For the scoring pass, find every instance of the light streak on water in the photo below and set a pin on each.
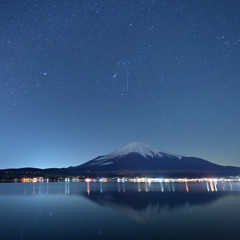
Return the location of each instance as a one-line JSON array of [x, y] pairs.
[[186, 186], [207, 186], [215, 185], [101, 187], [88, 188], [139, 187], [146, 187], [211, 186], [162, 188], [223, 185], [67, 191], [123, 186]]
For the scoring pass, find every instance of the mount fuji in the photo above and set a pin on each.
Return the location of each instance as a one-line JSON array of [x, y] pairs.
[[141, 159]]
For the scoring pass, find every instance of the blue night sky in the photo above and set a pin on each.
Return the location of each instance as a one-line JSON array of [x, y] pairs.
[[79, 79]]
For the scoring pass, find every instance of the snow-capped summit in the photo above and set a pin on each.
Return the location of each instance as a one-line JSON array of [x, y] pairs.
[[141, 148], [134, 150]]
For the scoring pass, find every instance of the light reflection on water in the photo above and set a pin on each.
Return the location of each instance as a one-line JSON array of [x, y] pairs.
[[120, 210]]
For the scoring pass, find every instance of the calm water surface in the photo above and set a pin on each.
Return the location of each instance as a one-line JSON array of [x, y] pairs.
[[119, 210]]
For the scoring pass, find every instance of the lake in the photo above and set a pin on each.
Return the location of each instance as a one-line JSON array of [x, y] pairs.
[[120, 210]]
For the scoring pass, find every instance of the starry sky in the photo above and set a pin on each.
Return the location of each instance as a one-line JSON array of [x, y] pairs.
[[82, 78]]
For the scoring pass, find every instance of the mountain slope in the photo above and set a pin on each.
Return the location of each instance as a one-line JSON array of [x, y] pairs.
[[140, 159], [132, 151]]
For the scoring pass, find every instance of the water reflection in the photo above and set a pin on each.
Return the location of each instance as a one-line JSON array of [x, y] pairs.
[[101, 188], [150, 206], [139, 187], [146, 187], [118, 187], [121, 187], [186, 187], [88, 188], [33, 188], [157, 199], [124, 187], [207, 186], [67, 190], [162, 188], [77, 210]]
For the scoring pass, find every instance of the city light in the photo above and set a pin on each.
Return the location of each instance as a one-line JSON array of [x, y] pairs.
[[128, 179]]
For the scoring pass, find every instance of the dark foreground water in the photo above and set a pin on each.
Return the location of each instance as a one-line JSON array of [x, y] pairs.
[[119, 211]]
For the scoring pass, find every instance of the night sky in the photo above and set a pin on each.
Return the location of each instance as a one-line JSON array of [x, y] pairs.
[[79, 79]]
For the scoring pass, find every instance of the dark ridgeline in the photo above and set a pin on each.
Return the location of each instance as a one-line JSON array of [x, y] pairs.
[[135, 159]]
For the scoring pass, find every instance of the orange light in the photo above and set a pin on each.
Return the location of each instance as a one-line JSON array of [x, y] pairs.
[[186, 186], [211, 186], [88, 180]]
